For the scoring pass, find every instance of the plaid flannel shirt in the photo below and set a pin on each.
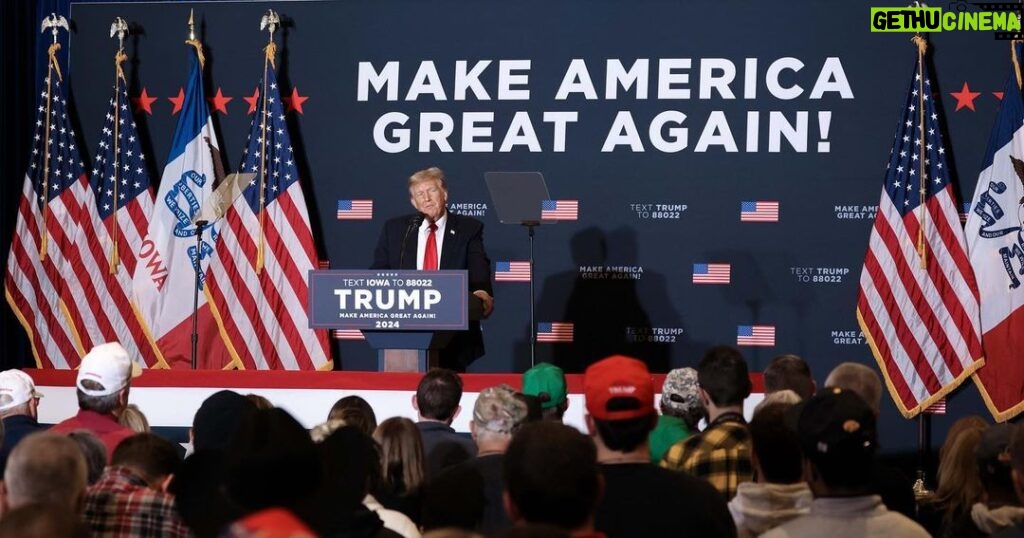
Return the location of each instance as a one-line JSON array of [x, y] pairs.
[[720, 454], [121, 504]]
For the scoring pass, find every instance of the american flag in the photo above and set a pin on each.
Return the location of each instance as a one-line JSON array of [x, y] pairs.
[[355, 209], [347, 334], [258, 279], [559, 209], [711, 273], [759, 211], [994, 254], [42, 245], [556, 331], [512, 271], [115, 219], [937, 408], [921, 322], [965, 212], [755, 335]]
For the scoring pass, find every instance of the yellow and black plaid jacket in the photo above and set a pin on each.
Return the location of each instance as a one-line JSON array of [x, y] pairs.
[[720, 454]]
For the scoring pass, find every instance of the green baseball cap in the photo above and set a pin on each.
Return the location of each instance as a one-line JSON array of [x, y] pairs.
[[546, 379]]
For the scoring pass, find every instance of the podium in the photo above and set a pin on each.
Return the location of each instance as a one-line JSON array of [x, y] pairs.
[[407, 316]]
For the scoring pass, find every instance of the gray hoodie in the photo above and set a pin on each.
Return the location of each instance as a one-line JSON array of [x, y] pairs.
[[757, 508]]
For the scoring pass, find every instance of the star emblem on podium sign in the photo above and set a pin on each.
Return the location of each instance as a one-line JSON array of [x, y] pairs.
[[144, 102], [220, 102]]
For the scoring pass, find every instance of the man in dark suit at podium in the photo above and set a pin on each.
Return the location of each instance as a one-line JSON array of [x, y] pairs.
[[433, 239]]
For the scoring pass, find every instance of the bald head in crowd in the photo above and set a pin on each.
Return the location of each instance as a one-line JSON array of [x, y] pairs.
[[45, 468], [861, 380]]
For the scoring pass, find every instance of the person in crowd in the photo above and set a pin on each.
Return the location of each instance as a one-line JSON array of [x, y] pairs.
[[721, 453], [497, 415], [999, 507], [344, 506], [356, 412], [133, 417], [789, 372], [454, 500], [260, 401], [19, 410], [403, 466], [432, 239], [547, 382], [959, 483], [269, 523], [199, 488], [784, 396], [47, 468], [38, 520], [681, 411], [534, 411], [838, 438], [103, 383], [640, 498], [552, 477], [322, 431], [896, 489], [437, 404], [778, 492], [131, 498], [1016, 454], [271, 463], [94, 451]]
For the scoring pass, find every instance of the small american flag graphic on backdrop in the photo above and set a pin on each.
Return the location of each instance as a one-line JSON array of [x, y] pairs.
[[555, 331], [347, 334], [755, 335], [355, 209], [711, 273], [966, 211], [559, 209], [512, 271], [759, 211]]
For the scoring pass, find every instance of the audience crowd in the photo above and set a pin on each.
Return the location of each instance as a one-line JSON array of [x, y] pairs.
[[686, 464]]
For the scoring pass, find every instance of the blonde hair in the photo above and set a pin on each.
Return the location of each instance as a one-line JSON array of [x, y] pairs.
[[133, 417], [959, 483], [321, 432], [401, 454], [430, 174], [860, 379]]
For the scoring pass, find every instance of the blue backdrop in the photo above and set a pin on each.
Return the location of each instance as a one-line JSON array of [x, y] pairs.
[[789, 102]]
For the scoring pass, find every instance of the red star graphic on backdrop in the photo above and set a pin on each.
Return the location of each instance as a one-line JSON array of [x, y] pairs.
[[294, 101], [965, 97], [220, 102], [252, 100], [999, 95], [177, 101], [144, 102]]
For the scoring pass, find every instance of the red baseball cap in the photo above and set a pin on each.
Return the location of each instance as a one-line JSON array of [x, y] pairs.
[[618, 377]]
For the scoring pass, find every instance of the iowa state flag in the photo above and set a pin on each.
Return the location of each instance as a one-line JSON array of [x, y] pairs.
[[995, 243], [164, 278]]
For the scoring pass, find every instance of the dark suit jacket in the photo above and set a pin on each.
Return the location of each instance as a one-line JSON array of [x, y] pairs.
[[462, 248]]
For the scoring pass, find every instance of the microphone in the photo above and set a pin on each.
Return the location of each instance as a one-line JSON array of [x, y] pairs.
[[200, 224], [414, 223]]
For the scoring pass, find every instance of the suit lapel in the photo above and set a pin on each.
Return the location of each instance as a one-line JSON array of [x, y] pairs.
[[411, 243], [451, 236]]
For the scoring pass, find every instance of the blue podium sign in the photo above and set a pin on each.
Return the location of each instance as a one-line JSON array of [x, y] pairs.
[[385, 300]]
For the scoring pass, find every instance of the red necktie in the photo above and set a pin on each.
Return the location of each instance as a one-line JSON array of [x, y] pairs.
[[430, 253]]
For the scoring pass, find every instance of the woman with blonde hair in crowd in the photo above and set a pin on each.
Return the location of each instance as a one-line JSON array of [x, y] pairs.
[[133, 417], [959, 485], [403, 466]]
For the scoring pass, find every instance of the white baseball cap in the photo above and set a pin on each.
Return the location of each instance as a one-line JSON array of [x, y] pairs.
[[110, 366], [16, 388]]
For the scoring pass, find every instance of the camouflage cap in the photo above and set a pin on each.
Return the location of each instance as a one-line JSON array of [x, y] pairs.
[[498, 410], [679, 393]]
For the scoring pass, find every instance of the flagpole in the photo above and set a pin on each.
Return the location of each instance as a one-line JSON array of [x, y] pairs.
[[119, 28], [269, 21], [922, 46], [53, 22]]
